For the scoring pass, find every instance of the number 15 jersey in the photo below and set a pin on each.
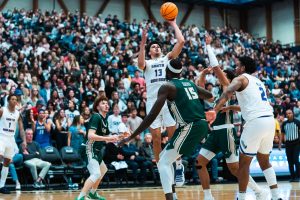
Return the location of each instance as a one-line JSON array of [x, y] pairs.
[[155, 75], [253, 99]]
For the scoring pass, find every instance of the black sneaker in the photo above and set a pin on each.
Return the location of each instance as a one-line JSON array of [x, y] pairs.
[[4, 190]]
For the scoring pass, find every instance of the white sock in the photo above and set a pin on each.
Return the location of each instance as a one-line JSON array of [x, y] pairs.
[[82, 194], [4, 173], [241, 195], [174, 195], [252, 184], [207, 193], [93, 190], [178, 163], [274, 193]]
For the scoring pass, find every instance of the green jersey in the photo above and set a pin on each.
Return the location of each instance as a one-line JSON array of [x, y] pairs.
[[94, 148], [186, 107]]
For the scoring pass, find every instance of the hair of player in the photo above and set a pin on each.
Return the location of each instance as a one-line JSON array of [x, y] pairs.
[[249, 63], [151, 43], [176, 63], [97, 101], [11, 95]]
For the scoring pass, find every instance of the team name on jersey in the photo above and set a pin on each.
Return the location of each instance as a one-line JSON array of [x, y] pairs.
[[158, 65], [186, 84], [10, 119]]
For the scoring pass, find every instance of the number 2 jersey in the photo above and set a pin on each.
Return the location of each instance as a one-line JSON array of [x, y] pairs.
[[253, 99], [155, 75], [8, 122], [186, 107]]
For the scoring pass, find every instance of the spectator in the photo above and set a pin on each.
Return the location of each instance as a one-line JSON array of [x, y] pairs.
[[71, 112], [135, 95], [134, 121], [290, 129], [115, 100], [32, 160], [45, 93], [114, 120], [77, 132], [61, 127], [41, 129], [146, 151], [139, 80]]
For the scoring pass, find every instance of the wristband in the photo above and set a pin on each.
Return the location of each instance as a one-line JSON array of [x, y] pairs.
[[213, 61]]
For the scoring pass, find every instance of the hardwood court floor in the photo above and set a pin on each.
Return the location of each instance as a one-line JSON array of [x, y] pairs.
[[220, 192]]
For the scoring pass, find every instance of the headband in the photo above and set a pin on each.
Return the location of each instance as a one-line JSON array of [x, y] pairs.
[[172, 69]]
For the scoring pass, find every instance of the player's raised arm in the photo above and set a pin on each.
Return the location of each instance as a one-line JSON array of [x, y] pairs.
[[204, 94], [235, 85], [180, 41], [141, 57], [166, 91]]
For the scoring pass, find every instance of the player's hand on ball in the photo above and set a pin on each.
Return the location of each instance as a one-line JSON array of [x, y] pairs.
[[124, 141], [211, 116]]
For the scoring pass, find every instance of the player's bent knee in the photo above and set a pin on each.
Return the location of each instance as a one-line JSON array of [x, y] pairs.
[[94, 177]]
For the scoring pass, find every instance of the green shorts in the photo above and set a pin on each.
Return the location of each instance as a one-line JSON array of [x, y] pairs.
[[223, 140], [186, 138], [88, 152]]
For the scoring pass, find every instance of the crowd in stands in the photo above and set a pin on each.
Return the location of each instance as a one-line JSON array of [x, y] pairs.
[[59, 63]]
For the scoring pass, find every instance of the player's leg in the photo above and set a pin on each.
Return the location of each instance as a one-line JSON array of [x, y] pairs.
[[94, 170], [6, 152], [156, 135], [170, 125], [166, 171], [201, 166], [263, 154], [93, 192]]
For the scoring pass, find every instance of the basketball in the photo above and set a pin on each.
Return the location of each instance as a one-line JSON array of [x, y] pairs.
[[169, 11]]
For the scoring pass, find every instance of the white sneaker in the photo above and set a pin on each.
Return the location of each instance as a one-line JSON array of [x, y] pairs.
[[179, 176], [209, 198], [18, 186], [262, 195]]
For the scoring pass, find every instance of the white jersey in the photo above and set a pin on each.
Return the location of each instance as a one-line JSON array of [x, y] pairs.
[[8, 122], [253, 99], [155, 75]]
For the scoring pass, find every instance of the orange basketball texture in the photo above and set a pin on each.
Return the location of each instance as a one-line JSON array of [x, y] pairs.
[[169, 11]]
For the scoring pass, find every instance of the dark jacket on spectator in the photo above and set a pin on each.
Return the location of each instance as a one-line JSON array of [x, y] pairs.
[[33, 149]]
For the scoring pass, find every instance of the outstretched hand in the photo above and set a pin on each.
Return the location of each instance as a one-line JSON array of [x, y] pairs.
[[210, 116], [144, 35], [172, 22]]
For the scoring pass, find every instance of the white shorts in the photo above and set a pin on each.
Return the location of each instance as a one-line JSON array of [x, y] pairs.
[[7, 146], [164, 118], [257, 136]]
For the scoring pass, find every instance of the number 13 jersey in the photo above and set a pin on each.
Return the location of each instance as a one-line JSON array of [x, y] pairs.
[[253, 99], [8, 122], [155, 75]]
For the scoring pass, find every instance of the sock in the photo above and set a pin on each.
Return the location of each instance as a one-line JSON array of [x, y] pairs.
[[207, 193], [82, 194], [4, 173], [178, 164], [93, 190], [241, 195], [274, 193], [174, 196], [252, 184]]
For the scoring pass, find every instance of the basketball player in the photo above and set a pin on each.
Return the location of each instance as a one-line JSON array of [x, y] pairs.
[[258, 133], [185, 100], [223, 135], [9, 118], [96, 137], [155, 76]]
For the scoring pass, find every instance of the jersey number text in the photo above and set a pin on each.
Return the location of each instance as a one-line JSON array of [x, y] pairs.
[[190, 92]]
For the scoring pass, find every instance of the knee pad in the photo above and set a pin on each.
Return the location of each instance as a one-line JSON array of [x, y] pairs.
[[94, 177]]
